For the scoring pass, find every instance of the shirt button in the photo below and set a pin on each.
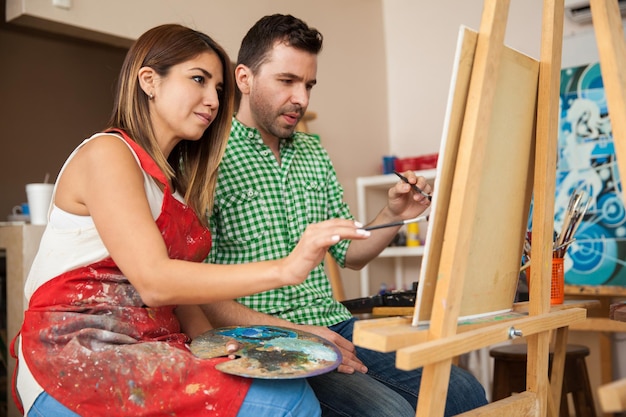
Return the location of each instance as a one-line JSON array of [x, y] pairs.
[[290, 218], [250, 134], [250, 193], [264, 153]]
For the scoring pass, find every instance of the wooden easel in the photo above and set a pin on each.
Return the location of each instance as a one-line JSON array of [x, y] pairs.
[[609, 32], [433, 348], [612, 52]]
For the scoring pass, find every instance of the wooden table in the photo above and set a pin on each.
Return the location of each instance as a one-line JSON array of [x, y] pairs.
[[613, 395], [599, 323], [617, 311]]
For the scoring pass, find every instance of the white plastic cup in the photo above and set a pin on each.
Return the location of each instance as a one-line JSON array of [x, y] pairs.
[[39, 198]]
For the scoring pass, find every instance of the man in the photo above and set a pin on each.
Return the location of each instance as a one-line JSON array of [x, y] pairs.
[[272, 183]]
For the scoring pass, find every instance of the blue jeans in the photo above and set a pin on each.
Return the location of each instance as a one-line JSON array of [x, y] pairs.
[[280, 398], [265, 398], [385, 390]]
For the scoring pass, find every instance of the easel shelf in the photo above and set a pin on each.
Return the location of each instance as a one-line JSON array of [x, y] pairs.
[[397, 333]]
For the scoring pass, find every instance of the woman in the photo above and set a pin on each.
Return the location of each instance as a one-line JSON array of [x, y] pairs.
[[123, 248]]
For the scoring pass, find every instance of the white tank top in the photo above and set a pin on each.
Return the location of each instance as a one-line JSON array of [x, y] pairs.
[[70, 241]]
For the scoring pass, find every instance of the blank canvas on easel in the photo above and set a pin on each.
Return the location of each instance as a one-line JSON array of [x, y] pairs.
[[503, 184]]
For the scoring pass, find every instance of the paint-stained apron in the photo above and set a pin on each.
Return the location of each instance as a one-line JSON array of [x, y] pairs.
[[93, 345]]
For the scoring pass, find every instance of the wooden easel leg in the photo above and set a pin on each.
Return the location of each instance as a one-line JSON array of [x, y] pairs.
[[556, 374], [432, 399], [537, 369], [609, 31], [544, 191], [607, 23], [605, 342]]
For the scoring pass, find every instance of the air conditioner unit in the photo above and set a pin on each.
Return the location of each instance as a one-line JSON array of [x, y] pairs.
[[580, 12]]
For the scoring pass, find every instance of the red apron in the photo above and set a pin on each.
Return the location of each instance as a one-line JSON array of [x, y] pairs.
[[93, 345]]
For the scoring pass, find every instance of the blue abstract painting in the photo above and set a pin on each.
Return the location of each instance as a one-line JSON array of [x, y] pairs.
[[586, 162]]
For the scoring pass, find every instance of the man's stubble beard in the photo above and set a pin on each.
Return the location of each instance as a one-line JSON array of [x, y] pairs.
[[268, 119]]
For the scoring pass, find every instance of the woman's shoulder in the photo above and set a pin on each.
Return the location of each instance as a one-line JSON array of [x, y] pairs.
[[107, 145], [103, 154]]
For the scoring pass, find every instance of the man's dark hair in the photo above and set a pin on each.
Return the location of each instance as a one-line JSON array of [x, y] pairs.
[[261, 38]]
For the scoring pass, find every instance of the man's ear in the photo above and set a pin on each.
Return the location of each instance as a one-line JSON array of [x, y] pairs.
[[243, 78], [146, 78]]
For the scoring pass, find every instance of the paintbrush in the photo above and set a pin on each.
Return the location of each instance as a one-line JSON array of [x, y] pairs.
[[415, 187], [579, 217], [574, 214], [398, 223]]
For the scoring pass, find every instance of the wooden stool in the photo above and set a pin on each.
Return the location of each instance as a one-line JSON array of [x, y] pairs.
[[509, 376]]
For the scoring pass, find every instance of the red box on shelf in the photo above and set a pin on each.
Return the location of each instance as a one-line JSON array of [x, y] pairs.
[[427, 161], [417, 163]]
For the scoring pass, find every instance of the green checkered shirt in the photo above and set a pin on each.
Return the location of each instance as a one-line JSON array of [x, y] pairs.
[[263, 207]]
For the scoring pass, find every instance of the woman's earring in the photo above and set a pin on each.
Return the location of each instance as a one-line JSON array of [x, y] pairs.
[[150, 96]]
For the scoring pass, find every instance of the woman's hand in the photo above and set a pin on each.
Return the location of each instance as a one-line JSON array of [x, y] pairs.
[[314, 243]]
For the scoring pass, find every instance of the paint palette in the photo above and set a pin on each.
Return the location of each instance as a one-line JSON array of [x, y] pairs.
[[269, 352]]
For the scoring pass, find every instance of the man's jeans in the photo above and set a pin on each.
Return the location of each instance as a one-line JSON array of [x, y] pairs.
[[386, 391]]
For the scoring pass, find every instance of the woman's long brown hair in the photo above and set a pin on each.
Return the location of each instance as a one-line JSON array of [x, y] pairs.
[[192, 165]]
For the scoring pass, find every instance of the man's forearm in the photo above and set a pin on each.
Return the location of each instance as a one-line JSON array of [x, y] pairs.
[[192, 320], [232, 313]]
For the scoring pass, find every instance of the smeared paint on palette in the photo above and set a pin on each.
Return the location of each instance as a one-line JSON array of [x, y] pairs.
[[269, 352]]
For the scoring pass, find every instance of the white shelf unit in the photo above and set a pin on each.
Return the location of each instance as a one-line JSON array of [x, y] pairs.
[[382, 183]]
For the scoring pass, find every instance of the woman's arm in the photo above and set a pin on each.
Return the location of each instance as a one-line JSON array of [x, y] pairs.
[[104, 181]]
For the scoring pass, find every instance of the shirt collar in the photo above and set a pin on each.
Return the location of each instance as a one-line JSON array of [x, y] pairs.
[[252, 133]]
